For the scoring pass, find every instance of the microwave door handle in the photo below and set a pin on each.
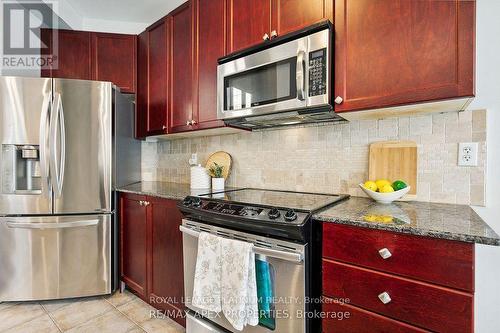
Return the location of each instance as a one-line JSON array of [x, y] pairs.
[[299, 77]]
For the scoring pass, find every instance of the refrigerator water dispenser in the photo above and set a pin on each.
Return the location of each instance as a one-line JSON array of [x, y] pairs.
[[21, 169]]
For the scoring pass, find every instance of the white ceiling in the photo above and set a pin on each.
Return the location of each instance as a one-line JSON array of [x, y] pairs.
[[134, 11]]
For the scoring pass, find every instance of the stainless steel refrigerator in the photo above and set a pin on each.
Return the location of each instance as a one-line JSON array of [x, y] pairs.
[[63, 145]]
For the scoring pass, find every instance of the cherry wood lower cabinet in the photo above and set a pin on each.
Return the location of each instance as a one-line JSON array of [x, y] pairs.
[[422, 284], [151, 252]]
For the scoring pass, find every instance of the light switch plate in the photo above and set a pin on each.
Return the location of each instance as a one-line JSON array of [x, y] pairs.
[[467, 153]]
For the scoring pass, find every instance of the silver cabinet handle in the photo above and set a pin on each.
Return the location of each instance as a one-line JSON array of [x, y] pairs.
[[164, 127], [28, 225], [265, 37], [385, 297], [385, 253], [274, 34], [193, 122], [188, 123], [141, 202], [57, 165], [338, 100], [288, 256], [43, 139], [299, 76]]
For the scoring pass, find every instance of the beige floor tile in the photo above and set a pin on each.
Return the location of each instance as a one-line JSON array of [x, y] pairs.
[[111, 322], [137, 310], [5, 305], [52, 306], [19, 314], [166, 325], [118, 298], [80, 312], [42, 324]]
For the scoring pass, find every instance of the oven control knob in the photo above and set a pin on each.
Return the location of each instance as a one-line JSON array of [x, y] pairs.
[[290, 215], [187, 201], [274, 213], [196, 202]]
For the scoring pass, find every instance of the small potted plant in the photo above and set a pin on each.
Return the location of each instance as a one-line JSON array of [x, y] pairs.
[[216, 172]]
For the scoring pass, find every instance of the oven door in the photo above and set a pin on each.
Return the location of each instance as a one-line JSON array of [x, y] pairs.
[[287, 267], [265, 82]]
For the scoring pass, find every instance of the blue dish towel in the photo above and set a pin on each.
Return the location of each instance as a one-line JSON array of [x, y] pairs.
[[265, 278]]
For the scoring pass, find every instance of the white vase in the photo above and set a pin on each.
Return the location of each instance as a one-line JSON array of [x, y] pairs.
[[218, 184]]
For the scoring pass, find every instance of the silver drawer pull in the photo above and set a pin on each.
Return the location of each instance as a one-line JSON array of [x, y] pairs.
[[385, 297], [385, 253], [28, 225]]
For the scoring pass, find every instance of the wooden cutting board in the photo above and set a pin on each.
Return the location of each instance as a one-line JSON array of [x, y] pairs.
[[394, 160], [223, 159]]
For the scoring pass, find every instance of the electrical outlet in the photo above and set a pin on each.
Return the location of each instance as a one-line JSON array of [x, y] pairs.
[[194, 159], [467, 153]]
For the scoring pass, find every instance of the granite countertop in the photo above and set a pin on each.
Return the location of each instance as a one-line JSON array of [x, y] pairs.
[[165, 190], [446, 221]]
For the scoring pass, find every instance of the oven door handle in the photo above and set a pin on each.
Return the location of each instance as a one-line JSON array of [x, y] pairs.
[[299, 76], [283, 255]]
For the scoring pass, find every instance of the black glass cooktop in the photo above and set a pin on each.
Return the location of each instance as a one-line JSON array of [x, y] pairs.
[[299, 201]]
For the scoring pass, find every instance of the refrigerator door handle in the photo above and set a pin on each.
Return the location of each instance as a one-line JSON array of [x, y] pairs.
[[44, 150], [57, 164], [28, 225]]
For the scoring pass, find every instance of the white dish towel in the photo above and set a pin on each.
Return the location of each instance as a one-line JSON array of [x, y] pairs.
[[207, 277], [225, 279], [239, 286]]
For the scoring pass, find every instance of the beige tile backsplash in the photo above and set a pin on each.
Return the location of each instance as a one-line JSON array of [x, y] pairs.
[[333, 158]]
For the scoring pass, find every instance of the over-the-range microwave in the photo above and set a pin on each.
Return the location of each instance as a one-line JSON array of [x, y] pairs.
[[283, 82]]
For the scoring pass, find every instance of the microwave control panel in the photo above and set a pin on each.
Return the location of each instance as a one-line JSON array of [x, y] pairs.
[[317, 73]]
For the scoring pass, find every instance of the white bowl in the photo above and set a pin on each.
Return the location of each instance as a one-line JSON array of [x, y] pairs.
[[385, 198]]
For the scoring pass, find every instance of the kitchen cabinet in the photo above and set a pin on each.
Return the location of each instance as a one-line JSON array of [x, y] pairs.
[[114, 59], [158, 97], [141, 97], [210, 45], [92, 56], [389, 53], [133, 243], [181, 90], [292, 15], [151, 251], [401, 283], [72, 54], [165, 273]]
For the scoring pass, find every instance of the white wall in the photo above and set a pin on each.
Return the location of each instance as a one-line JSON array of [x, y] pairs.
[[114, 26], [488, 96]]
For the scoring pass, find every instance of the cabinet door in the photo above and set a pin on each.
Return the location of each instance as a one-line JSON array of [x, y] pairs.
[[293, 15], [133, 245], [210, 46], [157, 78], [73, 52], [141, 99], [389, 53], [182, 68], [248, 21], [166, 278], [114, 59]]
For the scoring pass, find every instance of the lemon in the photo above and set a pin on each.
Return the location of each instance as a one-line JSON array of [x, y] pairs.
[[387, 188], [381, 183], [371, 185]]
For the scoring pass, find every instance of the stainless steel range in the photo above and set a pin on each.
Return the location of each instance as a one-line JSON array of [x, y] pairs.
[[279, 225]]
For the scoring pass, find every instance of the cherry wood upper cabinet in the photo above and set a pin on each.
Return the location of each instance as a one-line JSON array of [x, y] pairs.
[[114, 59], [181, 89], [291, 15], [73, 52], [210, 46], [141, 97], [133, 242], [248, 22], [390, 53], [158, 86], [166, 278]]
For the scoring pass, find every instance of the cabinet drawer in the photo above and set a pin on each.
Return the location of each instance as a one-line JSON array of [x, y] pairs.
[[357, 320], [444, 262], [432, 307]]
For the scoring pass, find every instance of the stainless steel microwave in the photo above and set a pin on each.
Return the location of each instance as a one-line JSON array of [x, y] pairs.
[[287, 81]]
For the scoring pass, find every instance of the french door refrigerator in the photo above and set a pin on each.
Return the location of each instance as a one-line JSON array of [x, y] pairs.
[[56, 199]]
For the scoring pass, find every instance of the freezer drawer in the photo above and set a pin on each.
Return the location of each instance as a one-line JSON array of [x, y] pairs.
[[54, 257]]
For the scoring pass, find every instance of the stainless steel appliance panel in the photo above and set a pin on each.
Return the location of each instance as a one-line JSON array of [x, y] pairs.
[[289, 271], [54, 257], [81, 148], [24, 108]]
